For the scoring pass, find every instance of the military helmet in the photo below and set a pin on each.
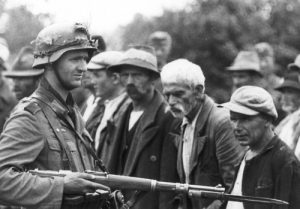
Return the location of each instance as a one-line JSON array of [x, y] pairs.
[[53, 41]]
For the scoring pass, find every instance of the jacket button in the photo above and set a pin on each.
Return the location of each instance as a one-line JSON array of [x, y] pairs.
[[153, 158]]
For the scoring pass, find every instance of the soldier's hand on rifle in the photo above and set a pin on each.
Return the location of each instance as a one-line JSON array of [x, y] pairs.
[[81, 183]]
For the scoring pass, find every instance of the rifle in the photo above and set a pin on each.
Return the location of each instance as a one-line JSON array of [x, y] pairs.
[[143, 184]]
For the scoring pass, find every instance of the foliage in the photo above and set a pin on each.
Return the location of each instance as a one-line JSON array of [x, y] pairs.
[[212, 32]]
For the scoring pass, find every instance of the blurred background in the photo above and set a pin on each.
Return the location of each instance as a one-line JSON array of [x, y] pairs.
[[207, 32]]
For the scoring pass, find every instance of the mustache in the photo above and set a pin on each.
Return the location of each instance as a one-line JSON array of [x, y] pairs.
[[176, 108], [131, 88]]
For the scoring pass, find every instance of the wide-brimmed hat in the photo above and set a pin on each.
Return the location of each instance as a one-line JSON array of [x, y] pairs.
[[291, 80], [246, 61], [252, 100], [138, 56], [105, 59], [295, 65], [22, 66]]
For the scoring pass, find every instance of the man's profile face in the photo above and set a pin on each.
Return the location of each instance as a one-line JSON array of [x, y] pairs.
[[181, 98], [70, 68], [137, 81], [290, 100], [248, 130], [242, 78], [87, 80], [24, 86], [103, 83]]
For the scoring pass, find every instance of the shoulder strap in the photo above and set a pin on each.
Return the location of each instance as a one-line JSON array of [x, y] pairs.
[[55, 127], [88, 147]]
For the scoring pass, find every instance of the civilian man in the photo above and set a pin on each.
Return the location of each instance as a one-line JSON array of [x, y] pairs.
[[25, 79], [110, 94], [269, 168], [140, 143], [207, 151]]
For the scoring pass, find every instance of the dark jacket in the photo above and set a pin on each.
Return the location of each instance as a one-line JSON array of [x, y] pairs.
[[274, 173], [152, 153], [215, 152], [30, 140], [7, 102]]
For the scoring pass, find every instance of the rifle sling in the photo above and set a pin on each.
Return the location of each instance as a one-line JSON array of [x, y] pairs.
[[85, 143]]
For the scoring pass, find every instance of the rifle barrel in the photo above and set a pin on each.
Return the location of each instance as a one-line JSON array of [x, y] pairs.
[[236, 198]]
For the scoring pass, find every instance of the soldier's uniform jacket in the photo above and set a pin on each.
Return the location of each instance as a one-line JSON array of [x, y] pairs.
[[32, 139]]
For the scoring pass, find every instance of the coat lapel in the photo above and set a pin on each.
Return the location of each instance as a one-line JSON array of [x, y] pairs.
[[199, 137], [145, 132]]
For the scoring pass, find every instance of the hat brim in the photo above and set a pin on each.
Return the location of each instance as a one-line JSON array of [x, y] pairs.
[[293, 66], [40, 61], [94, 66], [134, 63], [288, 84], [239, 109], [237, 69], [25, 73]]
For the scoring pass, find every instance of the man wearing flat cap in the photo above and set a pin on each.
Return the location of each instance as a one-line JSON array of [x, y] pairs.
[[111, 97], [140, 142], [269, 168], [25, 78]]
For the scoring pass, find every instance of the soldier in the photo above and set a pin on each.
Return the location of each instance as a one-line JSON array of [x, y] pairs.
[[25, 79], [46, 130], [207, 150], [269, 168], [140, 141], [7, 98]]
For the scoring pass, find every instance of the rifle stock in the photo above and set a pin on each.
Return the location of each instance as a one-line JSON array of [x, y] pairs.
[[143, 184]]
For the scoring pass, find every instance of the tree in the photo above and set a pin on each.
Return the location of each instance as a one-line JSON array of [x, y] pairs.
[[212, 32]]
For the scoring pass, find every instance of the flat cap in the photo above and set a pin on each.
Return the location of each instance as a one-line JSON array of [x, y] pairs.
[[105, 59], [252, 100]]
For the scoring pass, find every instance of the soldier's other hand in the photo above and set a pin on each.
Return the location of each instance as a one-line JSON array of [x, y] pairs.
[[81, 183]]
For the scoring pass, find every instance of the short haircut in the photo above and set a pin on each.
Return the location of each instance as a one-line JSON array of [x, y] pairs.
[[182, 71]]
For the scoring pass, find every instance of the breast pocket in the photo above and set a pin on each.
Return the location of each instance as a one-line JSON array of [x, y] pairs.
[[264, 187], [54, 154]]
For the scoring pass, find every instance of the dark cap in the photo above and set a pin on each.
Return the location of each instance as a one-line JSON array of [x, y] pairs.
[[22, 66], [291, 80]]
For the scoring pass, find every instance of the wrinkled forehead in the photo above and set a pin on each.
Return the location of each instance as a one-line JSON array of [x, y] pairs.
[[172, 86]]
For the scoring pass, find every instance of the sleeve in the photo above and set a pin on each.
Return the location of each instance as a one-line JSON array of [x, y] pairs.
[[287, 184], [20, 144], [228, 151]]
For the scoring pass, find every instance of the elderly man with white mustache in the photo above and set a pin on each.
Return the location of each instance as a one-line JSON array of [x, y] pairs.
[[208, 150]]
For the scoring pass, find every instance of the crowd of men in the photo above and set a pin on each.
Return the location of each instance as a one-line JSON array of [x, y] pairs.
[[135, 113]]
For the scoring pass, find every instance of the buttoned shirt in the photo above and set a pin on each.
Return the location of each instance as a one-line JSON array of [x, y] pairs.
[[188, 139]]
